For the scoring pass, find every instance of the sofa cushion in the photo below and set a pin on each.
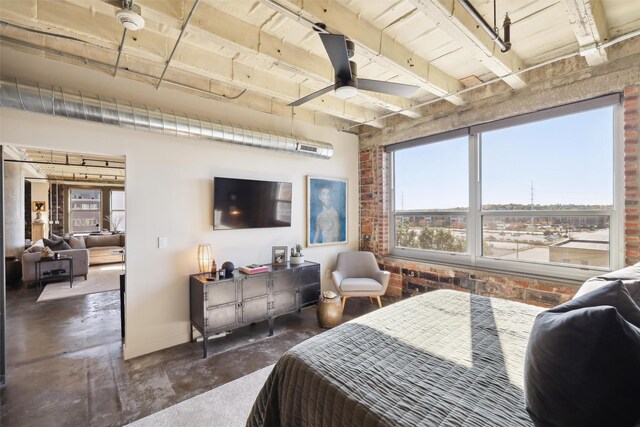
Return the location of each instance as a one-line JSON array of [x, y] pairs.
[[77, 242], [56, 245], [34, 249], [102, 240], [582, 365]]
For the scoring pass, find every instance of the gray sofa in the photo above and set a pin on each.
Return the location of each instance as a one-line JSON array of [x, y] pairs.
[[104, 248], [30, 256]]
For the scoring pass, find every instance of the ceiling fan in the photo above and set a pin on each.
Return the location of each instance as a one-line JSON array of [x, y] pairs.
[[340, 50]]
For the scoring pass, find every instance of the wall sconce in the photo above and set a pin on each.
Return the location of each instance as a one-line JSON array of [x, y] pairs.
[[204, 257]]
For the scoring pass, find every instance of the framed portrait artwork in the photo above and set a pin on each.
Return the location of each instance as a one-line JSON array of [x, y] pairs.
[[326, 211], [279, 255], [39, 206]]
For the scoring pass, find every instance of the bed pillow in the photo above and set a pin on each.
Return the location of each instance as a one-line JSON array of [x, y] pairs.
[[614, 294], [582, 365], [56, 245], [630, 277]]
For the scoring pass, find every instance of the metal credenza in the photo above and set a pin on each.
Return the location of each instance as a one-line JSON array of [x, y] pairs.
[[226, 304]]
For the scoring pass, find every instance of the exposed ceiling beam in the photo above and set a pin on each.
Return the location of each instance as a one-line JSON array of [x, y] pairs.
[[152, 47], [145, 71], [376, 45], [230, 71], [590, 27], [461, 27], [266, 50]]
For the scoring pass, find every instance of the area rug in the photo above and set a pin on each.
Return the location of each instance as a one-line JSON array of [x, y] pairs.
[[100, 278], [225, 406]]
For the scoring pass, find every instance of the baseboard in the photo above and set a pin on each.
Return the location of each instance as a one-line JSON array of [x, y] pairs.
[[136, 350]]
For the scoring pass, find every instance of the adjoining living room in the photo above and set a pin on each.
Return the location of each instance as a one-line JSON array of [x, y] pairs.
[[65, 250]]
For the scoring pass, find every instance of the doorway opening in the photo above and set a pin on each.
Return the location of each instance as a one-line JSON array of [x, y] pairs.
[[64, 243]]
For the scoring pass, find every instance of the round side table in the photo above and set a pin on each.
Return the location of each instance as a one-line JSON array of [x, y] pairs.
[[329, 312]]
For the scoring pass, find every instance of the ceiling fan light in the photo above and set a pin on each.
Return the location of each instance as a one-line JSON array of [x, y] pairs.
[[346, 91]]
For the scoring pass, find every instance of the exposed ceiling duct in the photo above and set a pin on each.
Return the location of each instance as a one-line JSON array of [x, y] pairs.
[[56, 101]]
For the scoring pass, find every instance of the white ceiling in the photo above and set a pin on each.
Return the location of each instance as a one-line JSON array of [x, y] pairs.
[[267, 55]]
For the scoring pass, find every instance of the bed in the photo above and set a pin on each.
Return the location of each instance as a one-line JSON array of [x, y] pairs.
[[444, 358]]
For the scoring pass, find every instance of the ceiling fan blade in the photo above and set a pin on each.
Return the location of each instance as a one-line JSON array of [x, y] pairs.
[[336, 47], [311, 96], [397, 89]]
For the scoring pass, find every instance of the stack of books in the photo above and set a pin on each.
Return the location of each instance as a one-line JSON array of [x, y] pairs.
[[254, 269]]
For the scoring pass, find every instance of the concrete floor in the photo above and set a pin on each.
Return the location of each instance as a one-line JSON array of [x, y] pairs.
[[65, 366]]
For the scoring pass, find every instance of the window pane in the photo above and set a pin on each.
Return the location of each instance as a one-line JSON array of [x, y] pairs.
[[576, 240], [85, 210], [117, 200], [117, 221], [565, 163], [445, 233], [433, 176]]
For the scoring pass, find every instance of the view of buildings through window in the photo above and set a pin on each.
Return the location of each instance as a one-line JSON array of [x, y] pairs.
[[544, 192]]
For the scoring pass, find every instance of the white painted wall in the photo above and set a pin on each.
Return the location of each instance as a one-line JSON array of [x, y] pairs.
[[169, 189]]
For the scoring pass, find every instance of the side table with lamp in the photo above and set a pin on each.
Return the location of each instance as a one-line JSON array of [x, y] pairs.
[[220, 303]]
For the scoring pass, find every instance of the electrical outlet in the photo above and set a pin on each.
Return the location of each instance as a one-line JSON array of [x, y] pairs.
[[163, 242]]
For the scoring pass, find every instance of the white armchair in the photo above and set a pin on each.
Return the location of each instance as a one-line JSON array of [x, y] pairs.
[[357, 275]]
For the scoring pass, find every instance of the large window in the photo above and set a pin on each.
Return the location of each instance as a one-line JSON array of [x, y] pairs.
[[117, 216], [85, 210], [432, 196], [533, 194]]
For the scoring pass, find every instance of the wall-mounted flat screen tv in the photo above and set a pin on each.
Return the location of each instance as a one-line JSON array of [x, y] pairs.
[[245, 203]]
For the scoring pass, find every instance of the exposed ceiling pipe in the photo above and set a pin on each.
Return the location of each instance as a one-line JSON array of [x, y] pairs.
[[57, 101], [295, 16], [504, 45], [115, 68], [184, 27]]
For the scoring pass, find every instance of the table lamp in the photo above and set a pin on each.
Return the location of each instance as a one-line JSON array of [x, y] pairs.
[[204, 257]]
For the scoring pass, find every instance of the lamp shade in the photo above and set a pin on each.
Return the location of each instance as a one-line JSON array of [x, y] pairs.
[[204, 257]]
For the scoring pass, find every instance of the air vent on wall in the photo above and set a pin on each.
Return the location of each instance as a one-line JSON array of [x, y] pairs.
[[308, 148]]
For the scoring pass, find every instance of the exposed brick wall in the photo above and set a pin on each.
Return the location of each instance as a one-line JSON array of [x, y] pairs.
[[374, 206], [631, 175], [409, 278]]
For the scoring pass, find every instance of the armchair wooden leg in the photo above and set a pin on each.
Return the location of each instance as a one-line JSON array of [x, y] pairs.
[[379, 302], [344, 301], [371, 300]]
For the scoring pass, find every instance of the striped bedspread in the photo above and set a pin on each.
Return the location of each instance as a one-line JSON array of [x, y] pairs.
[[445, 358]]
